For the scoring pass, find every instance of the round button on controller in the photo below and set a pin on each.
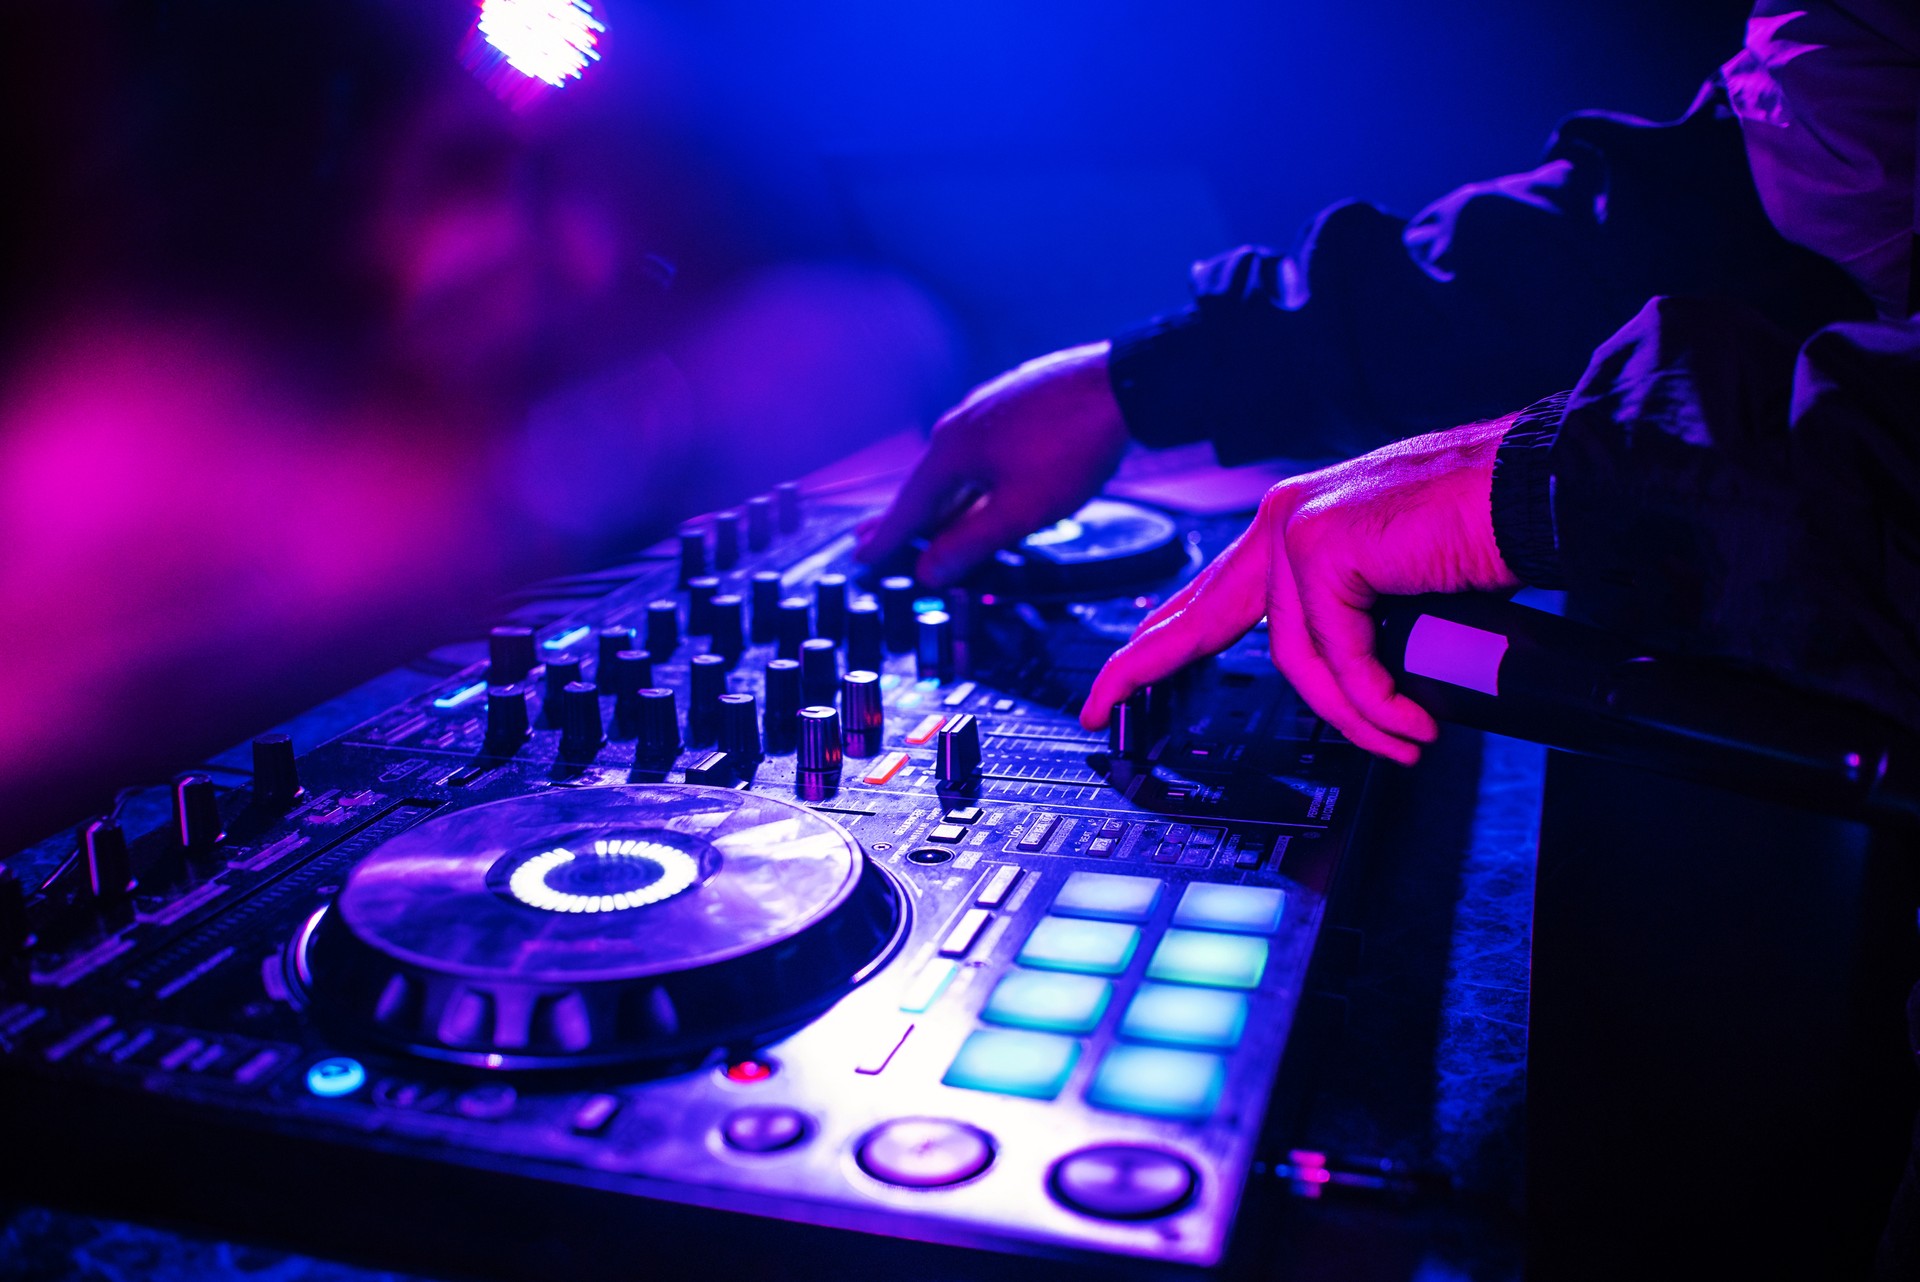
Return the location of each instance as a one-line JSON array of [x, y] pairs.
[[766, 1129], [1123, 1182], [924, 1152]]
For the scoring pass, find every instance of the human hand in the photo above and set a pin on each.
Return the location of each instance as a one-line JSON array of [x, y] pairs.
[[1020, 452], [1410, 517]]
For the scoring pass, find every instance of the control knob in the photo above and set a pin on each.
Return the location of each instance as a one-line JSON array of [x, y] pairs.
[[759, 522], [656, 728], [740, 728], [766, 592], [663, 629], [933, 656], [693, 553], [783, 704], [510, 655], [819, 753], [196, 815], [507, 720], [581, 733], [863, 720], [726, 540], [707, 681], [727, 633], [276, 775], [866, 638], [896, 609]]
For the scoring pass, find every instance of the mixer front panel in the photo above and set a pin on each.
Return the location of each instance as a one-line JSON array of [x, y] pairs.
[[925, 960]]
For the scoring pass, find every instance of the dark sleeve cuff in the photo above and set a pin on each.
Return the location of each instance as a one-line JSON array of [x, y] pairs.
[[1155, 370], [1523, 524]]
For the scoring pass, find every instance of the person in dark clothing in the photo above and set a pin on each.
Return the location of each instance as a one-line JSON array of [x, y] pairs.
[[1667, 491]]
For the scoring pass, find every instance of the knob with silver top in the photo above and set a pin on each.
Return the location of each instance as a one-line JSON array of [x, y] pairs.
[[957, 750], [933, 655], [507, 721], [862, 718], [866, 639], [510, 655], [740, 729], [656, 728], [663, 629], [820, 745], [783, 704]]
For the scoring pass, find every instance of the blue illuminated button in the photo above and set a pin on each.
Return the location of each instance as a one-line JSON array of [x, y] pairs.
[[1254, 909], [1203, 957], [1035, 1065], [332, 1078], [1107, 895], [1053, 1003], [1090, 947], [1160, 1083], [1183, 1016]]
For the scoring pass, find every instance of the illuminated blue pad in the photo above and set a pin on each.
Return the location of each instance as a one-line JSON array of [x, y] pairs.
[[1253, 909], [1204, 957], [1181, 1016], [1089, 947], [1108, 896], [1159, 1083], [1035, 1065], [1052, 1003]]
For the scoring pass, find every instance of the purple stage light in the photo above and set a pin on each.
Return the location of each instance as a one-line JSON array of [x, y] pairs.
[[520, 48]]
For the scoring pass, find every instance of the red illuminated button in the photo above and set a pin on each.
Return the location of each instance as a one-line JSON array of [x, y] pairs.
[[748, 1071], [886, 768]]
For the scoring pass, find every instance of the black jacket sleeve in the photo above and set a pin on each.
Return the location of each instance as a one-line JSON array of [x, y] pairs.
[[1711, 488], [1380, 327]]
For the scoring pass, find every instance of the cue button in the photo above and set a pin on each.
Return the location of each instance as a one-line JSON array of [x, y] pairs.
[[924, 1152], [1123, 1182], [764, 1130]]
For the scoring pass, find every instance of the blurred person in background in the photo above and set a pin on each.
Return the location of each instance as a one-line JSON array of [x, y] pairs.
[[312, 345]]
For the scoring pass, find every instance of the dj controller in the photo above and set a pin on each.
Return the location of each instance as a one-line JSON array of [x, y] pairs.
[[747, 905]]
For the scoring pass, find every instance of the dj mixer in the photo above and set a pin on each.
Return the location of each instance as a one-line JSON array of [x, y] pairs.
[[746, 901]]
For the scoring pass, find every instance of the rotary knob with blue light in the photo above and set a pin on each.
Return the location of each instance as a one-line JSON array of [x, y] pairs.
[[336, 1078]]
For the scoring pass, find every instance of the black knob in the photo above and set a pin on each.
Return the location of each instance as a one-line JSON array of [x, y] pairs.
[[507, 720], [766, 606], [510, 655], [866, 640], [580, 731], [728, 639], [663, 630], [783, 704], [276, 776], [819, 741], [830, 607], [700, 594], [693, 553], [786, 501], [196, 814], [726, 540], [933, 657], [740, 728], [862, 718], [109, 869], [759, 522], [819, 671], [562, 671], [13, 915], [629, 672], [896, 608], [714, 769], [957, 750], [656, 728], [708, 681], [793, 626], [1129, 733], [612, 642]]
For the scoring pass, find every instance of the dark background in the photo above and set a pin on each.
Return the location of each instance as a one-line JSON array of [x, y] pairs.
[[311, 345]]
